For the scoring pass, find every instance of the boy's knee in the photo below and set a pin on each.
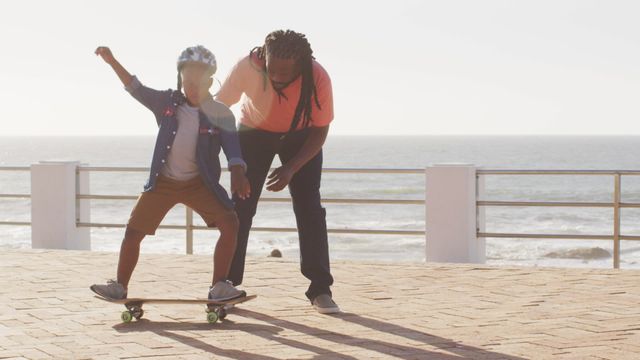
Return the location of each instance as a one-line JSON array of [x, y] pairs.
[[133, 235], [229, 223]]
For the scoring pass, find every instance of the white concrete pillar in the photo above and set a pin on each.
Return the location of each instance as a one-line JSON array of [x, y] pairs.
[[451, 218], [55, 209]]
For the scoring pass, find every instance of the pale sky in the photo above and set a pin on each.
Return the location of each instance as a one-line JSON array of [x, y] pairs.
[[397, 67]]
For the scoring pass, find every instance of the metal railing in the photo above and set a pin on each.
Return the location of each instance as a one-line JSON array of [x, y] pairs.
[[616, 204], [190, 227], [15, 196]]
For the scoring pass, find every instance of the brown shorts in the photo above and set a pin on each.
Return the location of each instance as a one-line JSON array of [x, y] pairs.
[[152, 206]]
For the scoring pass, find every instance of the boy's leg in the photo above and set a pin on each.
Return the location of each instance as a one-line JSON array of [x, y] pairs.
[[151, 208], [215, 214], [199, 198], [310, 219], [149, 211], [129, 254], [226, 247], [258, 151]]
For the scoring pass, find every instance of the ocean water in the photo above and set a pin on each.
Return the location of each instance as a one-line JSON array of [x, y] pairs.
[[491, 152]]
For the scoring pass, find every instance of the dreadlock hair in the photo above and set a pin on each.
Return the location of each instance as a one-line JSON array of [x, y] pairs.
[[292, 45]]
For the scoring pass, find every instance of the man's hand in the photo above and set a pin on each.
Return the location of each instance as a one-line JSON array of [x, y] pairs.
[[280, 178], [239, 183], [106, 54]]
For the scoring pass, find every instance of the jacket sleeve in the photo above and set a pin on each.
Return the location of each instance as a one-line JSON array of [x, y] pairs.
[[230, 140], [152, 99]]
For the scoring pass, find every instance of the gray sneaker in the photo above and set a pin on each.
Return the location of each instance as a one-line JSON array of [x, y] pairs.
[[325, 305], [112, 290], [224, 291]]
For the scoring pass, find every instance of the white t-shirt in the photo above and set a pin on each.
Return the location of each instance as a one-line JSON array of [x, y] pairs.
[[181, 163]]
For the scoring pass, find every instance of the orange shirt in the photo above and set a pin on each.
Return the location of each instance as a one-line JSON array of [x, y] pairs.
[[262, 108]]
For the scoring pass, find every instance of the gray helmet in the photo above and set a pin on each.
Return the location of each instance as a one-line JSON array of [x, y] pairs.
[[198, 54]]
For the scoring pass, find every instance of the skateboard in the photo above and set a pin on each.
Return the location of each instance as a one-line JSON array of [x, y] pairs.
[[215, 309]]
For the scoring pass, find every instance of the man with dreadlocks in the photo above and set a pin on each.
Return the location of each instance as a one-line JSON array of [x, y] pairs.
[[287, 109]]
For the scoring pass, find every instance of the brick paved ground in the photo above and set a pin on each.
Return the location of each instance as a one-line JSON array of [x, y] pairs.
[[405, 311]]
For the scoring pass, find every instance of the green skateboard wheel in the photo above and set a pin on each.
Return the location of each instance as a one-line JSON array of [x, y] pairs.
[[212, 317], [126, 316]]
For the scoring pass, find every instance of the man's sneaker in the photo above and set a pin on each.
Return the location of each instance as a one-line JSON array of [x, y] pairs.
[[325, 305], [112, 290], [224, 291]]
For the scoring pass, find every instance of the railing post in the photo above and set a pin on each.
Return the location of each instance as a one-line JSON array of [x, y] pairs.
[[189, 227], [54, 207], [480, 214], [451, 217], [83, 206], [616, 220]]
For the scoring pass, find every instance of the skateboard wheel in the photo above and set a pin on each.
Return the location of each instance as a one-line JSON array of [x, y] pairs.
[[138, 314], [222, 313], [126, 316], [212, 317]]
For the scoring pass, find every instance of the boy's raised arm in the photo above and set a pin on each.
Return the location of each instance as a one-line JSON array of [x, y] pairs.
[[153, 99], [122, 73]]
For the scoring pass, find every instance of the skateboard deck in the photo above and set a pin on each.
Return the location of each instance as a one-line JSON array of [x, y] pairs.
[[215, 309]]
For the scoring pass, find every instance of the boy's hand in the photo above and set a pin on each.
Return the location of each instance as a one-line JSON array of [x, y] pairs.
[[239, 183], [106, 54]]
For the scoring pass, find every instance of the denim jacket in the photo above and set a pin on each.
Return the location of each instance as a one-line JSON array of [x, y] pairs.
[[217, 130]]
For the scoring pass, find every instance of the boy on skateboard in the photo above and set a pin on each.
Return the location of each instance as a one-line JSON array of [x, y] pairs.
[[193, 127]]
